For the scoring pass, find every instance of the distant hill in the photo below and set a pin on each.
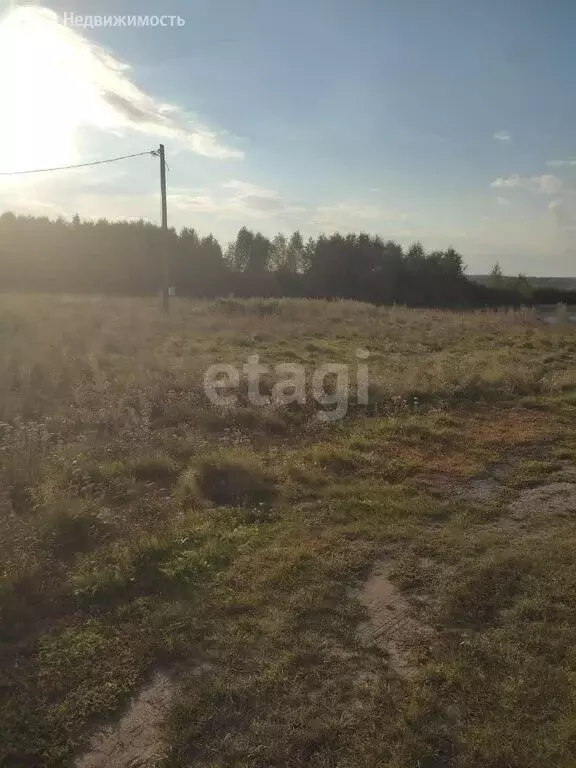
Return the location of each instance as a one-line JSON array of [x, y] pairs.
[[560, 283]]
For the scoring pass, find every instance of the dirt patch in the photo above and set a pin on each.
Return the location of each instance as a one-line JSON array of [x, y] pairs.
[[555, 499], [137, 740], [481, 489], [391, 625], [434, 483], [500, 478]]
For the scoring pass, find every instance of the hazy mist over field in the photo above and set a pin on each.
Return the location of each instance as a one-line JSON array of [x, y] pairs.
[[443, 122]]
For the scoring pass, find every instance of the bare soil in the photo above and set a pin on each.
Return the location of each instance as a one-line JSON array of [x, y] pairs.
[[392, 624], [136, 740]]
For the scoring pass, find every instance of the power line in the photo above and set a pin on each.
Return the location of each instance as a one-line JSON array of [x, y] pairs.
[[163, 165], [153, 152]]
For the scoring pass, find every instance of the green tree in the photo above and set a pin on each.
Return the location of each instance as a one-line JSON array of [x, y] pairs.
[[242, 248], [523, 288], [295, 253], [258, 255], [495, 277], [278, 250]]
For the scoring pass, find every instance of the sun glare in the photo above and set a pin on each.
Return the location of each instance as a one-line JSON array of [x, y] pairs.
[[47, 90]]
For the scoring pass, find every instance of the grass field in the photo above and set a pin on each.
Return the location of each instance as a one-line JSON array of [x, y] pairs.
[[142, 529]]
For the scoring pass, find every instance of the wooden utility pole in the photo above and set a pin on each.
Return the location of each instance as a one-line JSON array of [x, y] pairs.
[[165, 253]]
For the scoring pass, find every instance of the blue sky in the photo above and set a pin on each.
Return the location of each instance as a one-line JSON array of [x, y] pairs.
[[448, 121]]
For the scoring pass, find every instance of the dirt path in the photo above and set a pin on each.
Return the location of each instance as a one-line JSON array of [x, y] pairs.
[[137, 739], [391, 623]]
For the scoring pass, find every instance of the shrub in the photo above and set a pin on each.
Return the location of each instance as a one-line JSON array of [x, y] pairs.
[[337, 459], [229, 480], [263, 420], [156, 467], [69, 530]]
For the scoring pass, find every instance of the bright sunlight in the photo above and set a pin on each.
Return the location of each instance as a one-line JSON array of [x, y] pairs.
[[53, 82], [46, 90]]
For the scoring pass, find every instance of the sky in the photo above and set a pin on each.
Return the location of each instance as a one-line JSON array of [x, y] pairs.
[[451, 122]]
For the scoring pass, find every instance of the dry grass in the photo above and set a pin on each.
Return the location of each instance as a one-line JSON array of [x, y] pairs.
[[141, 528]]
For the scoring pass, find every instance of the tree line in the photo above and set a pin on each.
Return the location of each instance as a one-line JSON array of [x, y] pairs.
[[123, 257]]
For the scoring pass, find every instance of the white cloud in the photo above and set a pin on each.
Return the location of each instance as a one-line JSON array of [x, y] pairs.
[[345, 217], [252, 197], [546, 184], [246, 188], [503, 201], [235, 200], [503, 136], [61, 194], [347, 210], [244, 202], [507, 182], [55, 84], [560, 163], [564, 211]]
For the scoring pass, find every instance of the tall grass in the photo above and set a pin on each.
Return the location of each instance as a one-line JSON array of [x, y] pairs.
[[140, 526]]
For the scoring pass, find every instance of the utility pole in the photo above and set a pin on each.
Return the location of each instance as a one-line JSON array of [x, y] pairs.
[[165, 253]]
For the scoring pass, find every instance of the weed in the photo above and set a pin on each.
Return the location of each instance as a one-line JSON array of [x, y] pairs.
[[68, 530], [229, 479], [338, 460], [478, 598], [264, 420], [156, 468]]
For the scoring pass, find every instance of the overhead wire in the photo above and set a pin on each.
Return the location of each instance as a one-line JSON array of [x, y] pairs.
[[153, 152]]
